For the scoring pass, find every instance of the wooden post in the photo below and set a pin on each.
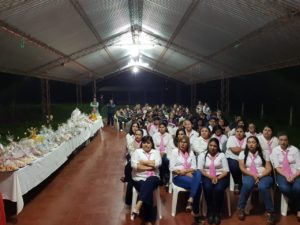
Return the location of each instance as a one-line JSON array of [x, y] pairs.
[[80, 94], [262, 111], [77, 95], [95, 88], [291, 116], [243, 108]]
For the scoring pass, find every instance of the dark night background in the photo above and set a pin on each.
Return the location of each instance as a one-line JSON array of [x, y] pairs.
[[278, 90]]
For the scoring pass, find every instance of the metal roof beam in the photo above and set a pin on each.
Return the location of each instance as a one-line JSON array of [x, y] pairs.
[[78, 54], [178, 28], [90, 25], [136, 16], [191, 54], [15, 31], [277, 22]]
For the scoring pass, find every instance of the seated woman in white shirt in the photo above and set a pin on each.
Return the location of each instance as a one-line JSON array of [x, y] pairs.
[[179, 134], [200, 144], [235, 145], [163, 142], [240, 123], [186, 175], [252, 130], [153, 127], [130, 136], [145, 174], [222, 138], [135, 144], [267, 140], [192, 134], [286, 161], [256, 169], [215, 179]]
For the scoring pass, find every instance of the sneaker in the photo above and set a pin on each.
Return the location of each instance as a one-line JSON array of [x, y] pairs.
[[217, 220], [189, 207], [236, 189], [242, 214], [270, 219], [210, 219], [198, 220]]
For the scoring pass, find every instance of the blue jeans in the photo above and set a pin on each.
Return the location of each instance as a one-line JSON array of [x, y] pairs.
[[145, 189], [214, 194], [264, 186], [193, 184], [290, 190], [235, 171]]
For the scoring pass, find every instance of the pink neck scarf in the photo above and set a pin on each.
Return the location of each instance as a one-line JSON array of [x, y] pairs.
[[240, 142], [138, 143], [219, 137], [162, 145], [253, 168], [269, 143], [150, 172], [285, 164], [185, 157], [212, 168]]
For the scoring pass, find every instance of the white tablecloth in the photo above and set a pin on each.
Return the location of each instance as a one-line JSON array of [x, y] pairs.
[[13, 185]]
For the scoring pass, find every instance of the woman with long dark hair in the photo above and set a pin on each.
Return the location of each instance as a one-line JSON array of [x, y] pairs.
[[163, 142], [179, 134], [145, 174], [200, 143], [215, 178], [256, 169]]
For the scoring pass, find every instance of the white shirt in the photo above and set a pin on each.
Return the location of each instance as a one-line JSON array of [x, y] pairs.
[[168, 142], [177, 160], [257, 161], [222, 141], [153, 129], [192, 136], [231, 132], [172, 130], [129, 139], [199, 145], [265, 144], [221, 163], [131, 147], [248, 134], [293, 157], [231, 143], [140, 154]]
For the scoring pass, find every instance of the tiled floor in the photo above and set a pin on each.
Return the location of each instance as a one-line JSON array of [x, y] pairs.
[[87, 191]]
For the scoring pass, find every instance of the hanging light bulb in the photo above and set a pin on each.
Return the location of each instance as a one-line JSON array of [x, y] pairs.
[[135, 69]]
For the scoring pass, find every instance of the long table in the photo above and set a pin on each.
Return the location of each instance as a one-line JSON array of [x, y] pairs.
[[13, 185]]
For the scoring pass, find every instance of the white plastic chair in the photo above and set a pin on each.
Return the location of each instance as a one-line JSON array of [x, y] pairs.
[[204, 206], [249, 204], [284, 205], [231, 183], [116, 122], [156, 198], [176, 191]]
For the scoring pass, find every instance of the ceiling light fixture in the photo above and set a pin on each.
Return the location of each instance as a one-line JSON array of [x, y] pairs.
[[135, 69]]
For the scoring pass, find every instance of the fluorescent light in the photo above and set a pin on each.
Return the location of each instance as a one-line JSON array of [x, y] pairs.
[[135, 69]]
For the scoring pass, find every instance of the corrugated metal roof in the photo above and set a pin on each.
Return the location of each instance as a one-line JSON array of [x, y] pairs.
[[193, 40]]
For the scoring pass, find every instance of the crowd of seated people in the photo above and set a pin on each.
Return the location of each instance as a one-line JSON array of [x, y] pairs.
[[199, 152]]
